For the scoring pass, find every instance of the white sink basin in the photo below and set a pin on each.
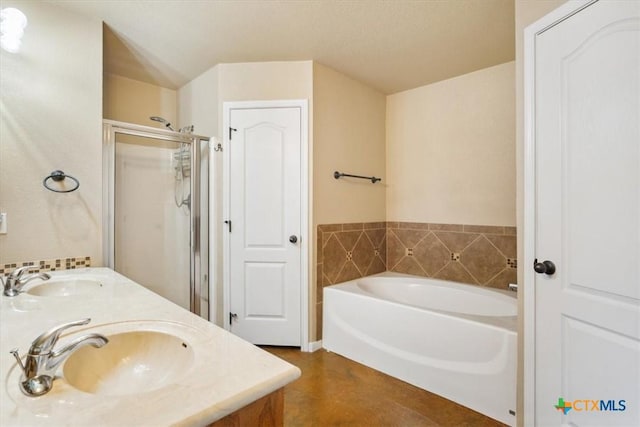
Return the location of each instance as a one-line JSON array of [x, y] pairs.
[[66, 287], [131, 363]]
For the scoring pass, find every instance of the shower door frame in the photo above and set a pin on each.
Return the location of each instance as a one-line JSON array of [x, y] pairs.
[[199, 267]]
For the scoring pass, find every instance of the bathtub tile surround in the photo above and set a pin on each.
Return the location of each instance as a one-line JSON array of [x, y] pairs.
[[473, 254], [346, 252], [349, 251], [49, 264]]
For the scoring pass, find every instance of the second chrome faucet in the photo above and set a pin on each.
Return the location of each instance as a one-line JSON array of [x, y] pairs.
[[42, 360], [15, 280]]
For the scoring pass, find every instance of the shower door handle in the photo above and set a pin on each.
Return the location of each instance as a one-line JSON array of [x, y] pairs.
[[293, 238]]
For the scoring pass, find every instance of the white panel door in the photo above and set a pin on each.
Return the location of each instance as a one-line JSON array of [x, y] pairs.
[[587, 127], [265, 215]]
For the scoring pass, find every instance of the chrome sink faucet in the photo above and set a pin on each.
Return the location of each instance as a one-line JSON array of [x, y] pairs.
[[42, 361], [14, 281]]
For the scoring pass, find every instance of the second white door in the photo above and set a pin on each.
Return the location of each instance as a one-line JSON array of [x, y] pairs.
[[587, 239], [264, 224]]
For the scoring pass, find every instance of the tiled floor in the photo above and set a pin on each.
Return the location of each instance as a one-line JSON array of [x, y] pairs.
[[334, 391]]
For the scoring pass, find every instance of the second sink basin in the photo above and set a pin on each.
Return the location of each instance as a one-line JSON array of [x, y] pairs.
[[66, 287], [131, 363]]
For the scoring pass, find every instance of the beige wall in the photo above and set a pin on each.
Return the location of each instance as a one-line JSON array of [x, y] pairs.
[[527, 12], [255, 81], [351, 137], [451, 151], [51, 112], [132, 101], [348, 136], [200, 102]]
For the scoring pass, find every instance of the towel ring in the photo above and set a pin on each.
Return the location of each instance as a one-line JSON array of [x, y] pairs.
[[58, 176]]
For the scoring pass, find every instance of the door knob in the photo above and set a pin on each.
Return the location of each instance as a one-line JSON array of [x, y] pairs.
[[545, 267], [293, 238]]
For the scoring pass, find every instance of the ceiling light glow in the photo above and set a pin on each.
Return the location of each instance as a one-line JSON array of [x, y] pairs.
[[12, 25]]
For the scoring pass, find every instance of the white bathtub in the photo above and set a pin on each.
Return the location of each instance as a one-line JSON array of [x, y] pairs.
[[455, 340]]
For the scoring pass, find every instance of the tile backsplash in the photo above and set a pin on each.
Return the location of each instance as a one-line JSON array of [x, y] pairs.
[[48, 265], [473, 254]]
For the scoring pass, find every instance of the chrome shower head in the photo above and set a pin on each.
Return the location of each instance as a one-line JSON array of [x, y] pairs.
[[161, 120]]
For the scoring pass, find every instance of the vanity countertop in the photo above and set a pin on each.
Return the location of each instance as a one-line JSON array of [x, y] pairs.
[[227, 372]]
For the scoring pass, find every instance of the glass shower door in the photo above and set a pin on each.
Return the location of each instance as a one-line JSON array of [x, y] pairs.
[[157, 221], [152, 197]]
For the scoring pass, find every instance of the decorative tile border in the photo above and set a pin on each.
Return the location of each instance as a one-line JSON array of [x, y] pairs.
[[49, 265]]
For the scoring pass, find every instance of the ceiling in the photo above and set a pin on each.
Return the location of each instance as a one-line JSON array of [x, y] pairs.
[[390, 45]]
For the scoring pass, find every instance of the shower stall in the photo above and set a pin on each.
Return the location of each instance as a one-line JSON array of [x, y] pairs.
[[156, 204]]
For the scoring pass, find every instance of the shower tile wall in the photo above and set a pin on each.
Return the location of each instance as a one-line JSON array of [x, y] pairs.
[[472, 254]]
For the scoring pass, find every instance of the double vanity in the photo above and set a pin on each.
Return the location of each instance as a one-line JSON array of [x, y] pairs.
[[162, 365]]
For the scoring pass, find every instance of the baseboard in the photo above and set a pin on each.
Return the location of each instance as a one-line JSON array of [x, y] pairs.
[[315, 346]]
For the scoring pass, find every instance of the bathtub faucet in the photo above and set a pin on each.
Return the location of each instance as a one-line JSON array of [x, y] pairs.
[[513, 287], [42, 361], [14, 281]]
